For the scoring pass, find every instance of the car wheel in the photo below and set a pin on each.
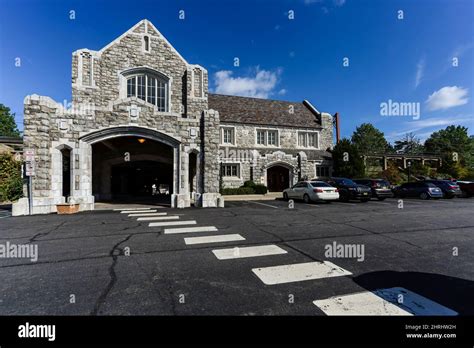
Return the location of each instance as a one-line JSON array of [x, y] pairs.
[[381, 198], [285, 196], [306, 198], [364, 200], [424, 195]]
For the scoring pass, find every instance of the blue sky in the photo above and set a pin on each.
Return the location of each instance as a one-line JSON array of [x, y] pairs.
[[407, 60]]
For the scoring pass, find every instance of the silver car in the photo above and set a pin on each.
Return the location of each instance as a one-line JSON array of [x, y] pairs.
[[310, 191]]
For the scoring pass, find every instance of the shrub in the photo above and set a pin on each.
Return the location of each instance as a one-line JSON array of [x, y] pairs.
[[238, 191], [249, 183], [11, 183], [260, 189]]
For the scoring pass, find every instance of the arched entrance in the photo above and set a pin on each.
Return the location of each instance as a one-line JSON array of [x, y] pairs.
[[133, 165], [278, 178]]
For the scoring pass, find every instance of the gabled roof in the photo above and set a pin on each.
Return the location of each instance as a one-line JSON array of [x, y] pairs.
[[146, 23], [248, 110]]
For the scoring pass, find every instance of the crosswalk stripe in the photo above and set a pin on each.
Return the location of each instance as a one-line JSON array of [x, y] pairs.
[[391, 301], [190, 229], [171, 223], [130, 209], [138, 211], [147, 214], [252, 251], [299, 272], [158, 218], [213, 239]]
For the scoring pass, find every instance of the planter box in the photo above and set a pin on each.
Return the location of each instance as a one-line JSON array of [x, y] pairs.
[[67, 208]]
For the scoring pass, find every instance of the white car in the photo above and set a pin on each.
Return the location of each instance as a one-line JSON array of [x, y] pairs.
[[310, 191]]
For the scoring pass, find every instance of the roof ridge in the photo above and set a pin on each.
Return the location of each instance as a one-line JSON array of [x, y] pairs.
[[264, 99]]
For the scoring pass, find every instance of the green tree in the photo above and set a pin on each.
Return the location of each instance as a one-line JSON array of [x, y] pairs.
[[7, 123], [409, 145], [347, 160], [456, 148], [368, 140]]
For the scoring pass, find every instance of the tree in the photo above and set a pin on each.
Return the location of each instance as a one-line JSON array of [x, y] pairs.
[[409, 145], [456, 149], [347, 160], [11, 183], [8, 126], [368, 139]]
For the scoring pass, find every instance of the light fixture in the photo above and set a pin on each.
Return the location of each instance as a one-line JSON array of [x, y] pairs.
[[141, 140]]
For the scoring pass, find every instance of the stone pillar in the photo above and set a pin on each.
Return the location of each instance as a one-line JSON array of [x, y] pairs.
[[210, 167]]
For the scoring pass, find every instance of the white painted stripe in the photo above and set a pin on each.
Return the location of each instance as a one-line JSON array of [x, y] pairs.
[[312, 205], [299, 272], [392, 301], [253, 251], [172, 223], [130, 209], [147, 214], [213, 239], [138, 211], [190, 229], [158, 218], [267, 205]]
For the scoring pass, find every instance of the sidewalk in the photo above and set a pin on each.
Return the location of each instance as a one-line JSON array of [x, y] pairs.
[[271, 196]]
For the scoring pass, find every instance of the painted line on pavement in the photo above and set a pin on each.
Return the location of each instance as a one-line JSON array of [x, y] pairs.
[[299, 272], [138, 211], [267, 205], [391, 301], [130, 209], [171, 223], [213, 239], [190, 229], [158, 218], [147, 214], [253, 251]]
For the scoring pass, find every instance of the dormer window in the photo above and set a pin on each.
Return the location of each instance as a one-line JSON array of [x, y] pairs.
[[146, 43], [150, 88]]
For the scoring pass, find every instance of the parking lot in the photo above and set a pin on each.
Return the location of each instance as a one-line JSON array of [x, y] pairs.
[[107, 262]]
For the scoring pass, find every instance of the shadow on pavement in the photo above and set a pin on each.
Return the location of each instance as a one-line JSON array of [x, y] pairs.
[[454, 293]]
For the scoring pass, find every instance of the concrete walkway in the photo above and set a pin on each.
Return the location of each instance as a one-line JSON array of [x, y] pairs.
[[271, 196]]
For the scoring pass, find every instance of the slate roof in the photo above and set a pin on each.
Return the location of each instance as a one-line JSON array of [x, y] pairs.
[[247, 110]]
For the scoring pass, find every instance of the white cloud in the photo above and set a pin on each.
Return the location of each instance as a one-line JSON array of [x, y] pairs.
[[282, 91], [339, 3], [429, 125], [447, 97], [260, 85], [420, 69]]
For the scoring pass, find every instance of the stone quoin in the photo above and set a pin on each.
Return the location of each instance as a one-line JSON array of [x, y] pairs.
[[142, 120]]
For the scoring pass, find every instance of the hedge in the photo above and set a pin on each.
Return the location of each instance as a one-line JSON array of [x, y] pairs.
[[248, 188], [11, 183]]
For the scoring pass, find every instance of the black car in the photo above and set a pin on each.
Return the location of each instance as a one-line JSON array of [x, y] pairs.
[[422, 189], [380, 188], [348, 190], [449, 188]]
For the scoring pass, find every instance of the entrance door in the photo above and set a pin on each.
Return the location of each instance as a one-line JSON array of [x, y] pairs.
[[278, 178]]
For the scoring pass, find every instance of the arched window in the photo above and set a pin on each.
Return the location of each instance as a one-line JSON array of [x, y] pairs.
[[150, 88]]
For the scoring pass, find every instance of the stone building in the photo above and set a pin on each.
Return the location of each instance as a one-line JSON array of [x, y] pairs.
[[142, 122]]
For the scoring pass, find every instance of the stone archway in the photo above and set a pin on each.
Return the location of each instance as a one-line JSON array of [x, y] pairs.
[[279, 176], [102, 182]]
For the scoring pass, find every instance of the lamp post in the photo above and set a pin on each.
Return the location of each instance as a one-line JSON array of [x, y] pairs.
[[409, 166]]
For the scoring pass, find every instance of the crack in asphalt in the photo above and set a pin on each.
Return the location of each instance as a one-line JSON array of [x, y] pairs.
[[42, 234], [113, 276]]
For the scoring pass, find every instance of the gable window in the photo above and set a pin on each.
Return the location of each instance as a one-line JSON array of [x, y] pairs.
[[149, 88], [146, 43], [230, 170], [308, 139], [267, 137], [228, 136]]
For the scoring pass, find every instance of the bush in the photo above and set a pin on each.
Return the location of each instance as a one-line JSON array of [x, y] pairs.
[[238, 191], [11, 183], [249, 183], [260, 189]]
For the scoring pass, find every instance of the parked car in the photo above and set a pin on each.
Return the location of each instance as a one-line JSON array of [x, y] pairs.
[[348, 190], [422, 189], [450, 188], [380, 188], [311, 191], [467, 188]]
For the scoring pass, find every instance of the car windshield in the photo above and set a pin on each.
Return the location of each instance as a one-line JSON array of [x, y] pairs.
[[347, 182], [320, 184], [430, 184], [382, 183]]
